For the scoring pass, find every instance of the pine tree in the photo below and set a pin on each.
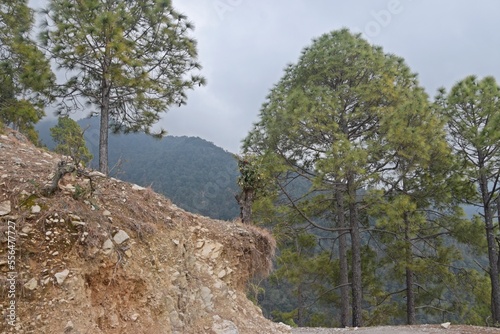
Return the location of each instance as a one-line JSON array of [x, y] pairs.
[[324, 122], [70, 140], [25, 74], [128, 59], [472, 111]]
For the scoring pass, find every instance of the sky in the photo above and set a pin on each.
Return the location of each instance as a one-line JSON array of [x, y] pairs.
[[244, 45]]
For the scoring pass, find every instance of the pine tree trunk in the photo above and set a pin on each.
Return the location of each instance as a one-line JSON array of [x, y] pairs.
[[492, 250], [410, 292], [245, 201], [105, 99], [103, 140], [357, 292], [300, 307], [345, 303]]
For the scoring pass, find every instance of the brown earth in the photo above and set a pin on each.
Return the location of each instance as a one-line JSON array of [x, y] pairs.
[[103, 256]]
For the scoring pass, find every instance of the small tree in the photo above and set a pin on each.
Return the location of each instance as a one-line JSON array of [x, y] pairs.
[[70, 141], [250, 182], [129, 59]]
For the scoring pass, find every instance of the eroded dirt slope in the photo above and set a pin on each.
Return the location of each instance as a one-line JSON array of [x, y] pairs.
[[103, 256]]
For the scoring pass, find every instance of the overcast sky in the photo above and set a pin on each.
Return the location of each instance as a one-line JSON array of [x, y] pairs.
[[244, 46]]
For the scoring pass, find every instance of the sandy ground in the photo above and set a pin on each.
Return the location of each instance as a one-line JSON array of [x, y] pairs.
[[453, 329]]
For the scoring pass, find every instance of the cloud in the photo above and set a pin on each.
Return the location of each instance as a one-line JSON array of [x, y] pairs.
[[244, 46]]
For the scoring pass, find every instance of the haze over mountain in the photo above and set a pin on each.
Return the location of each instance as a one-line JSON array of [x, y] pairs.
[[194, 173]]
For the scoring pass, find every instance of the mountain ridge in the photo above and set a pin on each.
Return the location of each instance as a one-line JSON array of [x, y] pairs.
[[194, 173]]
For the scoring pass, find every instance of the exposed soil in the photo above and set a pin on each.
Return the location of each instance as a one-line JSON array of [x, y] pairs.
[[104, 256]]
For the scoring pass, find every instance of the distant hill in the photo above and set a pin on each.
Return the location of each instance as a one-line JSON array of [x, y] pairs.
[[195, 174]]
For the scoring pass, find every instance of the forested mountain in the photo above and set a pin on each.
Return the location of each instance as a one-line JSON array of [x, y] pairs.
[[194, 173]]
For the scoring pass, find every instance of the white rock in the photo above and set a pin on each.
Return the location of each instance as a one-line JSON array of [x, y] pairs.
[[134, 316], [120, 237], [222, 273], [32, 284], [69, 326], [36, 209], [446, 325], [224, 326], [74, 217], [107, 247], [106, 213], [137, 187], [96, 173], [61, 276], [5, 208]]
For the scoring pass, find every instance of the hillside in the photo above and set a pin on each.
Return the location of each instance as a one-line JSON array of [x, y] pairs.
[[100, 255], [193, 173]]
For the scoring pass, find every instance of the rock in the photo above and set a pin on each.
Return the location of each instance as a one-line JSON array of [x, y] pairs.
[[136, 187], [107, 247], [26, 229], [74, 217], [61, 276], [69, 327], [120, 237], [113, 320], [206, 296], [134, 317], [446, 325], [5, 208], [36, 209], [211, 250], [32, 284], [222, 273], [223, 326], [96, 173], [106, 213]]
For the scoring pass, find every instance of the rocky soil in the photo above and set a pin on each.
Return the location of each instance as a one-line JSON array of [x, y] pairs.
[[103, 256]]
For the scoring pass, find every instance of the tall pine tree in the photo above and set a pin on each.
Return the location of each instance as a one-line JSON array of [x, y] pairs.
[[472, 111], [324, 122], [128, 59]]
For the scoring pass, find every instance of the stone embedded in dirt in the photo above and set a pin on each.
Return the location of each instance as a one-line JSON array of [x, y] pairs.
[[61, 276], [223, 326], [106, 213], [96, 173], [120, 237], [136, 187], [107, 247], [36, 209], [134, 317], [206, 296], [113, 320], [446, 325], [32, 284], [5, 208], [69, 326], [74, 217]]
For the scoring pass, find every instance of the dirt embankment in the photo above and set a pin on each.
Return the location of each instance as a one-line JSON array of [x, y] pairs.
[[103, 256]]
